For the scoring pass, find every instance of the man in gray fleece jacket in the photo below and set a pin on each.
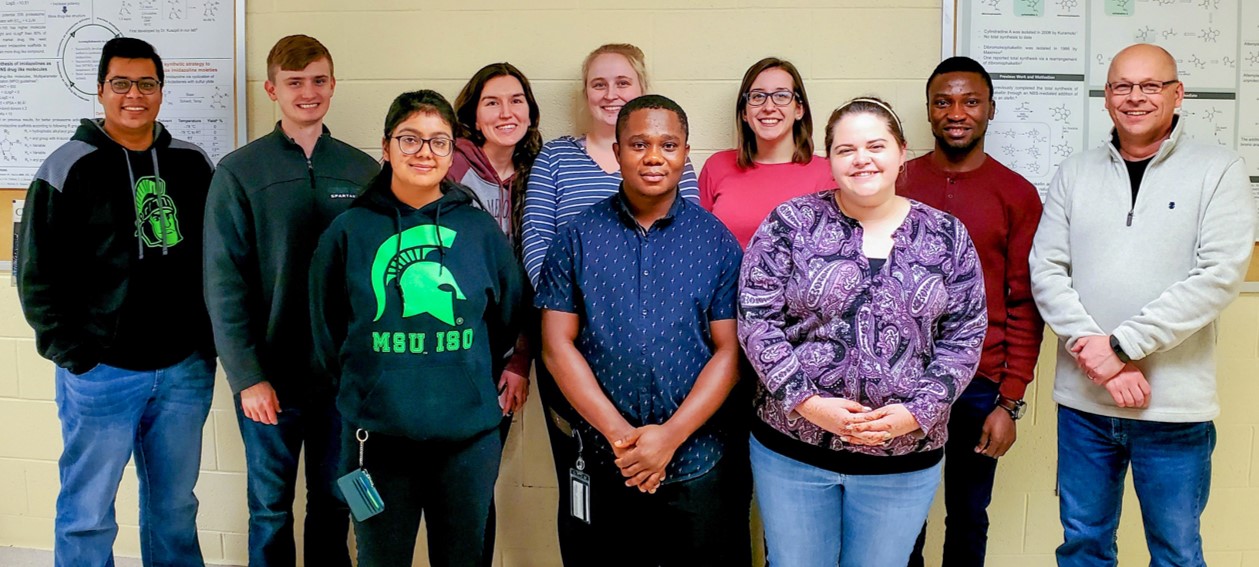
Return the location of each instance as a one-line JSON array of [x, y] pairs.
[[1143, 242]]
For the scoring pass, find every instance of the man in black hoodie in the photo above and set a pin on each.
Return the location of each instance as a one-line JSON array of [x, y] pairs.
[[110, 279], [269, 202]]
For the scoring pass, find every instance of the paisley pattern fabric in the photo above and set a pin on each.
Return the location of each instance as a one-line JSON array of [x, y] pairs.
[[814, 321]]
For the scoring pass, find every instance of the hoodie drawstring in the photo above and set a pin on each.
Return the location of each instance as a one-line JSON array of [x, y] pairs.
[[157, 176], [132, 175], [441, 246]]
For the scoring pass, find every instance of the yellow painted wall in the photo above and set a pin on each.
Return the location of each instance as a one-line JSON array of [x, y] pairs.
[[697, 52]]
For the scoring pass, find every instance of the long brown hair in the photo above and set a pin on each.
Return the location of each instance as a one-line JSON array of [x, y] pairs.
[[526, 149]]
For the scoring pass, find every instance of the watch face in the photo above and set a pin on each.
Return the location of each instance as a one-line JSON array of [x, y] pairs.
[[1019, 408]]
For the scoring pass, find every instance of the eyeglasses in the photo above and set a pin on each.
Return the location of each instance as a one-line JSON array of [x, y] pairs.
[[410, 145], [758, 98], [122, 85], [1149, 87]]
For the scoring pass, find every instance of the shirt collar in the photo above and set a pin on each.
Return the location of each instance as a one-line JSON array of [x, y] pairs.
[[621, 204]]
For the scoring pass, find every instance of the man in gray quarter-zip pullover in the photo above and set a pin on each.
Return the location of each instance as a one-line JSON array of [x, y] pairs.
[[1143, 242], [269, 203]]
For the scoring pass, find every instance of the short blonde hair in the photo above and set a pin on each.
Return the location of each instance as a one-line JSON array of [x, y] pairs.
[[629, 51]]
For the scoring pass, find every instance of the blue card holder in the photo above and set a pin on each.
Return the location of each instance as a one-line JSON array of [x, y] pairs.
[[360, 493]]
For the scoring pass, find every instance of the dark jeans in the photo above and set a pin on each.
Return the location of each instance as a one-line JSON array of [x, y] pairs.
[[450, 484], [271, 457], [968, 478]]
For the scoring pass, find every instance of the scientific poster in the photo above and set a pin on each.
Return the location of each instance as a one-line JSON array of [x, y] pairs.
[[49, 52]]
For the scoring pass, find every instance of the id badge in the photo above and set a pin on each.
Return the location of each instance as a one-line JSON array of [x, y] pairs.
[[361, 495], [579, 484]]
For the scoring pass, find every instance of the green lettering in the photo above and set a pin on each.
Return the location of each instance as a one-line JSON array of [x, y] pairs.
[[467, 339], [441, 344], [399, 342], [417, 342], [380, 342], [452, 340]]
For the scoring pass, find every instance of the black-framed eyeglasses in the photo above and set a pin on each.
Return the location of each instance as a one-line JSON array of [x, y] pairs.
[[1148, 87], [122, 85], [410, 145], [758, 98]]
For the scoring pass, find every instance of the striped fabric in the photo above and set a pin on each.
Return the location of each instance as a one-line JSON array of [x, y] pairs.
[[564, 181]]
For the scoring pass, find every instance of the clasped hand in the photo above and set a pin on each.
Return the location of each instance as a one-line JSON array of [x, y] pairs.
[[857, 424], [643, 454]]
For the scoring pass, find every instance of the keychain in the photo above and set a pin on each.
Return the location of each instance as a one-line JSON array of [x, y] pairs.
[[357, 487]]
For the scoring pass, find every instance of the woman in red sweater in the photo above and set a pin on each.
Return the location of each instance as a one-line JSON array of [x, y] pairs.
[[774, 160]]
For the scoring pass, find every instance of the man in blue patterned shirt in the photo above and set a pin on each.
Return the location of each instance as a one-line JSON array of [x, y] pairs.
[[638, 327]]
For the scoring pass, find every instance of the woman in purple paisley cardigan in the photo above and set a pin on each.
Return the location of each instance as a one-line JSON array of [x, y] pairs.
[[863, 314]]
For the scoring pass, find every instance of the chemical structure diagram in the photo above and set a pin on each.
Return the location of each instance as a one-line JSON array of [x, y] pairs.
[[994, 5], [1024, 111], [1228, 61], [1252, 58], [1122, 6], [1062, 150], [211, 9], [1169, 33], [10, 146], [1209, 4], [1146, 34], [1025, 146], [1068, 5], [1165, 2], [1209, 35], [1061, 113], [1196, 62], [174, 10], [219, 98], [124, 11], [1031, 5]]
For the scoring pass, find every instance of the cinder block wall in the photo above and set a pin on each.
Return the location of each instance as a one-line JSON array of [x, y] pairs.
[[697, 52]]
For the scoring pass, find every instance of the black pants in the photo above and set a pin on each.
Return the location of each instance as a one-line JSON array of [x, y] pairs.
[[721, 502], [491, 523], [450, 484], [968, 478]]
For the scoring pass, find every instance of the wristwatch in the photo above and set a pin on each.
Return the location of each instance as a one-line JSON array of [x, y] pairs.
[[1016, 408], [1115, 346]]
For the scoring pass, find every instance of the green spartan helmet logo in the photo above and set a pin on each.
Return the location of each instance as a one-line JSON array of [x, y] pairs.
[[426, 287], [157, 221]]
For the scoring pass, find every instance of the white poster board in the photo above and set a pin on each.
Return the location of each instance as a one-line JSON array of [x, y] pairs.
[[50, 49], [1048, 60]]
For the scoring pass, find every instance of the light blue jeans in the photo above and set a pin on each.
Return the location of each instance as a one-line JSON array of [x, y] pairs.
[[1171, 472], [106, 415], [817, 518]]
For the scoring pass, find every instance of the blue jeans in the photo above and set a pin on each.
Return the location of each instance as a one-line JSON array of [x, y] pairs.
[[817, 518], [271, 462], [109, 413], [1171, 471]]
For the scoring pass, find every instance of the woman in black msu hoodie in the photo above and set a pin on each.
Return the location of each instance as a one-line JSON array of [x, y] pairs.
[[415, 296]]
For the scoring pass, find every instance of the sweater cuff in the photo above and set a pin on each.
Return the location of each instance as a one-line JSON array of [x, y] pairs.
[[1012, 387]]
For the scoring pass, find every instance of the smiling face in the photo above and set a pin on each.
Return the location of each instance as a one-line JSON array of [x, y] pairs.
[[303, 95], [502, 115], [959, 107], [652, 150], [865, 158], [1142, 119], [610, 83], [423, 170], [770, 122], [132, 113]]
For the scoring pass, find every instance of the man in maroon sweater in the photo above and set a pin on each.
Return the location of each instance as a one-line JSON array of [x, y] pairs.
[[1001, 210]]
